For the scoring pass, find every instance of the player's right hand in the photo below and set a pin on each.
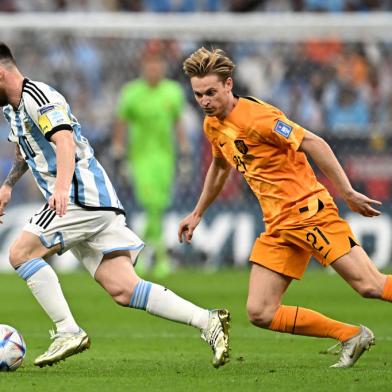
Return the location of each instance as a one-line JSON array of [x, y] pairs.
[[187, 226], [362, 204], [5, 197], [59, 202]]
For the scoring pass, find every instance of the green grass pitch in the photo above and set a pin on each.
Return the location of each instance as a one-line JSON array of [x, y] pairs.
[[133, 351]]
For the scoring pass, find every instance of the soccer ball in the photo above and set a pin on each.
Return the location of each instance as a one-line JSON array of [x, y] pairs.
[[12, 348]]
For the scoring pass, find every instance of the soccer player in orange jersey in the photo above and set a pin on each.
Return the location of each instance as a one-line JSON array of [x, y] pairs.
[[300, 216]]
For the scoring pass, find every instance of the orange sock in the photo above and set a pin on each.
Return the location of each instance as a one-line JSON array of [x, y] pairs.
[[301, 321], [387, 292]]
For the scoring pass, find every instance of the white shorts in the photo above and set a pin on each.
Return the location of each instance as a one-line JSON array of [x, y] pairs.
[[88, 234]]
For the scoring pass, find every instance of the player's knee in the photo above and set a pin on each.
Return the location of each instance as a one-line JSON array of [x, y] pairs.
[[18, 254], [260, 316], [119, 289], [121, 296]]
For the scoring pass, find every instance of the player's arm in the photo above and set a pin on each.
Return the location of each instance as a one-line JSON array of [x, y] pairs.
[[323, 156], [213, 184], [54, 120], [65, 159], [181, 136], [178, 107], [119, 139], [18, 168], [124, 116]]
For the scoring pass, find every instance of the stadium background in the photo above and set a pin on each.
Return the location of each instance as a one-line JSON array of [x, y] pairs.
[[301, 55], [326, 64]]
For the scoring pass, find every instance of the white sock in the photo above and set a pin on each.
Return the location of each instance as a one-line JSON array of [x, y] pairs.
[[45, 286], [164, 303]]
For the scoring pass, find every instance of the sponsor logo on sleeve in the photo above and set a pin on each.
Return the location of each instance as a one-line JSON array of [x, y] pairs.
[[283, 129], [45, 109]]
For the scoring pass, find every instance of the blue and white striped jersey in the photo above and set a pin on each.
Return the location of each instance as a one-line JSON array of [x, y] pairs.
[[42, 112]]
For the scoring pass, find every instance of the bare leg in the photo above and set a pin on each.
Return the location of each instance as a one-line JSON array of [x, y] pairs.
[[266, 289], [118, 277], [358, 270], [26, 256]]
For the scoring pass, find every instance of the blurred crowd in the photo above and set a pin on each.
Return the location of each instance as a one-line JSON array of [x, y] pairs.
[[338, 89], [333, 88], [327, 86], [195, 5]]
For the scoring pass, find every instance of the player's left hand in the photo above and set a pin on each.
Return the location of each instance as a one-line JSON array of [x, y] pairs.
[[362, 204], [5, 197], [59, 202], [187, 226]]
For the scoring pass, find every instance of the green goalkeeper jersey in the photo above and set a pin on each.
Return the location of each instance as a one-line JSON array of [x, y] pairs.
[[151, 112]]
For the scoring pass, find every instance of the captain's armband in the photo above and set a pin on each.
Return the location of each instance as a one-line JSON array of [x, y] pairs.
[[53, 117]]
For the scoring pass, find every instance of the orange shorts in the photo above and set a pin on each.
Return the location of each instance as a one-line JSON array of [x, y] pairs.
[[287, 249]]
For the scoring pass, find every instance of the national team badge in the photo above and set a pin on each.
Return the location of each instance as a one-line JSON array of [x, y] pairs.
[[283, 129], [241, 146]]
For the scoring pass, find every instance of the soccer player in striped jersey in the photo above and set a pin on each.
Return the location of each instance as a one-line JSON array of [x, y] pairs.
[[82, 214], [300, 216]]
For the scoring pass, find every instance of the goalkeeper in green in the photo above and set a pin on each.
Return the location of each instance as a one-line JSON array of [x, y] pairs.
[[150, 107]]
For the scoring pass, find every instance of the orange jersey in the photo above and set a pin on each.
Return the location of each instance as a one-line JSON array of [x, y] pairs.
[[261, 143]]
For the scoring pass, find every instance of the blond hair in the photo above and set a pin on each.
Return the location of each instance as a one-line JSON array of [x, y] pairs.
[[204, 62]]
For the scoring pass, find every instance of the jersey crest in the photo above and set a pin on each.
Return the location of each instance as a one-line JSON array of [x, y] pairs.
[[241, 146], [27, 125]]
